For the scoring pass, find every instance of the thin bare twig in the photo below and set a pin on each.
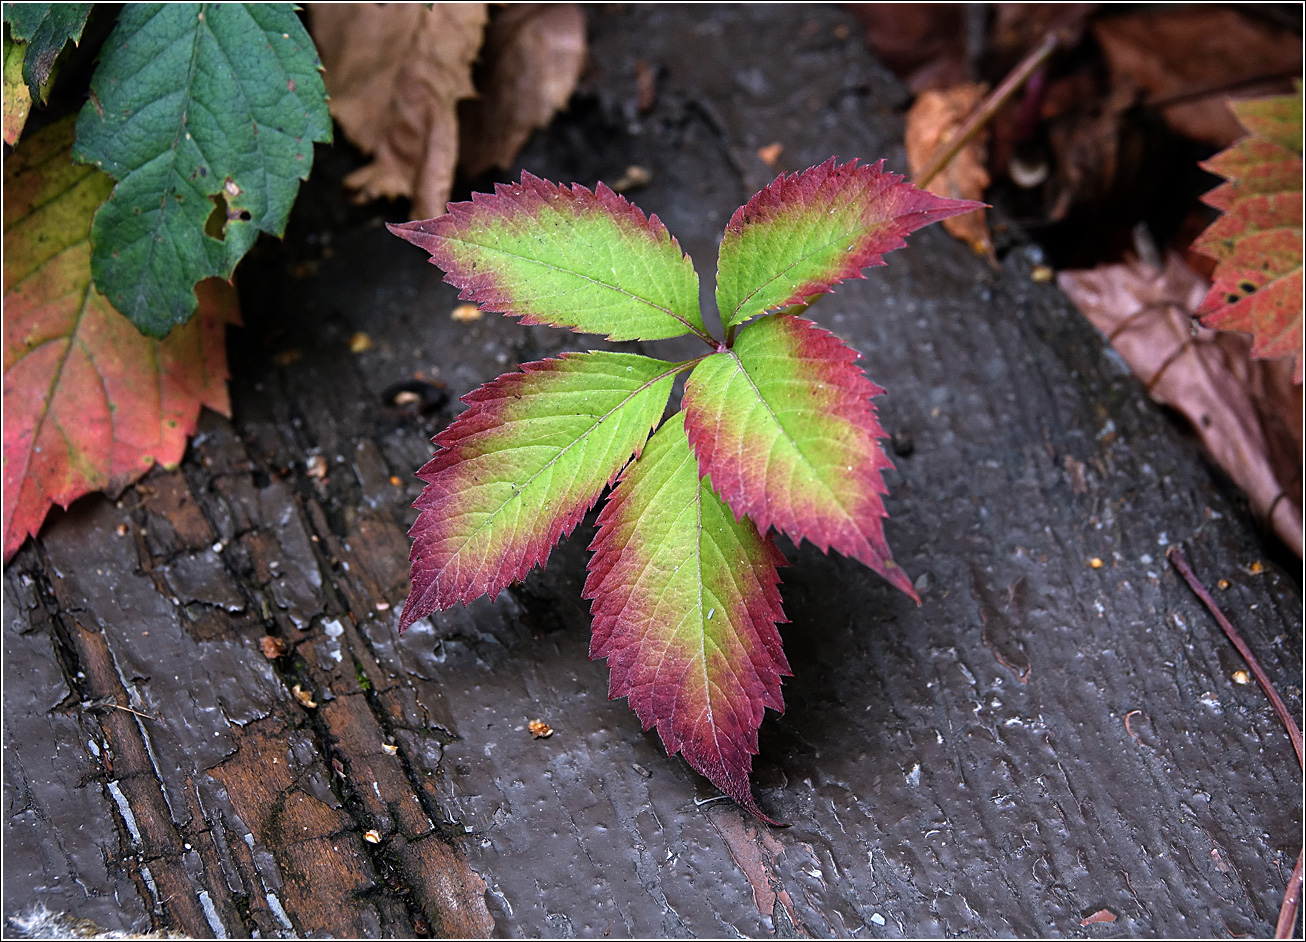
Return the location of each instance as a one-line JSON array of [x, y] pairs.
[[1176, 557], [1292, 893], [1291, 902], [1064, 32]]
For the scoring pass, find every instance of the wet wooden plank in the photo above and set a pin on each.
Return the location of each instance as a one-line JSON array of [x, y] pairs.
[[1038, 741]]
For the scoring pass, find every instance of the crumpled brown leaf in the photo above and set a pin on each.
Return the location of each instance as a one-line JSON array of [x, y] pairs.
[[395, 73], [429, 91], [931, 123], [1190, 58], [924, 44], [1245, 411], [533, 57]]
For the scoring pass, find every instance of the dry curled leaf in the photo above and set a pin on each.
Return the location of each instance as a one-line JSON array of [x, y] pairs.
[[531, 62], [931, 124], [1147, 315], [539, 729], [272, 647], [396, 73], [1186, 60], [304, 697]]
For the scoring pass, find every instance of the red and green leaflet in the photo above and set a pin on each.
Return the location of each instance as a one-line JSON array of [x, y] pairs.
[[567, 258], [521, 467], [807, 232], [783, 424], [685, 609], [777, 431], [1257, 242]]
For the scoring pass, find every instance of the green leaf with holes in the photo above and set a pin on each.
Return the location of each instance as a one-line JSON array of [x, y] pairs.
[[195, 108]]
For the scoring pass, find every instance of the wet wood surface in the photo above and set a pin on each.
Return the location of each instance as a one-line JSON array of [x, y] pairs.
[[1040, 741]]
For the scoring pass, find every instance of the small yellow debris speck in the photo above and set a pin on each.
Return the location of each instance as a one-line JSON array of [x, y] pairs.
[[1040, 274], [1222, 585], [465, 313], [540, 729], [303, 696], [372, 836], [1241, 677], [389, 749], [1096, 563], [359, 342]]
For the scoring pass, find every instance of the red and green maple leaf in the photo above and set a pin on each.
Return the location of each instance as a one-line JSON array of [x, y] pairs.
[[89, 402], [777, 430], [1257, 242]]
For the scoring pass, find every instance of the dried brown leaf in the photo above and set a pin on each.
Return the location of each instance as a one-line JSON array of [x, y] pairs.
[[533, 56], [395, 73], [1188, 59], [931, 124], [1204, 374], [923, 43]]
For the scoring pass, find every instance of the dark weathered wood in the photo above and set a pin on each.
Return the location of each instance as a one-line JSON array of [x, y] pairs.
[[1040, 740]]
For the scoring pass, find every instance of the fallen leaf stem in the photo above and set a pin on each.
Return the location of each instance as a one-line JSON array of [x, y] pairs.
[[1176, 556], [1062, 33], [1291, 902], [1292, 893]]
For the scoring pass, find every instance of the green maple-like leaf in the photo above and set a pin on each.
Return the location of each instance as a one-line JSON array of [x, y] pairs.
[[192, 105], [1257, 242], [565, 257], [808, 231], [784, 425], [685, 611], [520, 468]]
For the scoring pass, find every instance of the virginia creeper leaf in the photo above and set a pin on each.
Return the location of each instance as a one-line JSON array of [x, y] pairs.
[[520, 468], [783, 424], [89, 403], [46, 28], [565, 257], [195, 105], [808, 231], [685, 610], [1258, 241]]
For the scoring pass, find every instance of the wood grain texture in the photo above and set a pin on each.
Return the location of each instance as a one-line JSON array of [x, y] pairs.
[[1040, 740]]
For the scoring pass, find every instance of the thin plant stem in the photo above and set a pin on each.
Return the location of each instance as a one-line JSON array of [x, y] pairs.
[[1176, 556], [1291, 902], [1062, 33], [1292, 893]]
